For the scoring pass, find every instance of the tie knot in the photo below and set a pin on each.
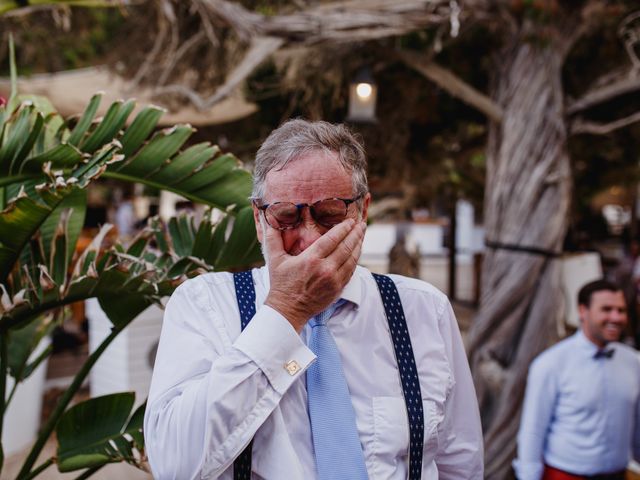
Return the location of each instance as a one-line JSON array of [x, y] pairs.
[[604, 353], [322, 317]]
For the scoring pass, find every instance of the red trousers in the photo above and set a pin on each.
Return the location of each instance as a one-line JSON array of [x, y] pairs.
[[551, 473]]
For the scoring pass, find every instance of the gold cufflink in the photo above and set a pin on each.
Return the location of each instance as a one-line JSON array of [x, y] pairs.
[[292, 367]]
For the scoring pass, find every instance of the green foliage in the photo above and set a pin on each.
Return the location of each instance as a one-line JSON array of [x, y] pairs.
[[47, 43], [22, 343], [46, 165], [99, 431]]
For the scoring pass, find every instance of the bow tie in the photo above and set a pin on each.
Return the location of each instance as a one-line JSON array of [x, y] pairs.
[[604, 353]]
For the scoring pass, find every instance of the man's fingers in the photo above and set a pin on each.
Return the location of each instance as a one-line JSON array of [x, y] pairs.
[[273, 242], [328, 242], [344, 249], [350, 262]]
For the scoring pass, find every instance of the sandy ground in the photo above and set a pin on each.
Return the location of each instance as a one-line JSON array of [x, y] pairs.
[[116, 471]]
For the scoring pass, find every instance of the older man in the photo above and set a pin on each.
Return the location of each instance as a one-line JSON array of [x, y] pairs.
[[311, 367], [581, 416]]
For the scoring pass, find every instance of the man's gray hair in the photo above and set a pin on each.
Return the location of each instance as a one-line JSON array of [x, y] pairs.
[[296, 138]]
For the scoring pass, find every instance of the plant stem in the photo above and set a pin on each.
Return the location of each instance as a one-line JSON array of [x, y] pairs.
[[10, 397], [40, 469], [89, 472], [52, 421], [4, 371]]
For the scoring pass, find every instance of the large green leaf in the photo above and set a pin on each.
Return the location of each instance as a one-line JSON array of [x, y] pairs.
[[107, 129], [75, 206], [24, 216], [140, 129], [98, 431], [18, 223], [85, 120], [242, 246], [122, 309], [16, 134], [22, 343], [206, 246], [182, 234], [67, 161], [200, 173], [63, 155]]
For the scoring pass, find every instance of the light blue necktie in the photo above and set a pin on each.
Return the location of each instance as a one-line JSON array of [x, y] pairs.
[[333, 420]]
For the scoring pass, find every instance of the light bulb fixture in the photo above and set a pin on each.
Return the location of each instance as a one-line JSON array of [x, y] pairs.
[[363, 93]]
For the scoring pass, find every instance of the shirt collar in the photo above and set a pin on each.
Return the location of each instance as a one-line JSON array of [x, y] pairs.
[[352, 292], [587, 345]]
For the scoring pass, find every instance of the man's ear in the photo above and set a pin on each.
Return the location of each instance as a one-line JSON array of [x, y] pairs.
[[365, 206], [256, 219], [582, 311]]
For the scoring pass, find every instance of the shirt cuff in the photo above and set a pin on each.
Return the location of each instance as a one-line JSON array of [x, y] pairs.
[[274, 345], [528, 470]]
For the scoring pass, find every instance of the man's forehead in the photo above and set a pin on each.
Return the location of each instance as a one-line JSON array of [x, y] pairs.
[[311, 158], [613, 297], [312, 170]]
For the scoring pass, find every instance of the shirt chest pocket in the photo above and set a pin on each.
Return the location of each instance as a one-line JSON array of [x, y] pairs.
[[390, 446]]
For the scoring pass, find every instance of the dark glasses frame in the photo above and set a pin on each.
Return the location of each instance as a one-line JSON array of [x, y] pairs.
[[300, 206]]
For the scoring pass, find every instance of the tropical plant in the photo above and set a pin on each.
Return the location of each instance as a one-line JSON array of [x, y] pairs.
[[46, 165]]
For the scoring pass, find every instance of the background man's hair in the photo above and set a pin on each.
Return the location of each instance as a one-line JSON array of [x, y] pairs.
[[296, 138], [585, 293]]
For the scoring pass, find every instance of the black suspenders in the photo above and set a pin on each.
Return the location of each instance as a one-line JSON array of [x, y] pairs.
[[246, 295], [403, 351], [408, 371]]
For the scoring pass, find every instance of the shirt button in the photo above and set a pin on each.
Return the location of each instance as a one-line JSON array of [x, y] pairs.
[[292, 367]]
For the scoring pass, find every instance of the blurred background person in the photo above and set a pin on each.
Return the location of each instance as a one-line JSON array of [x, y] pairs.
[[581, 415]]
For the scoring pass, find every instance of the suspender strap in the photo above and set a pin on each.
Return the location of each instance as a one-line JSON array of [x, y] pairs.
[[408, 371], [246, 296]]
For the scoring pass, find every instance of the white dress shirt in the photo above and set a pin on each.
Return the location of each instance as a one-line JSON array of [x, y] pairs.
[[215, 388], [581, 414]]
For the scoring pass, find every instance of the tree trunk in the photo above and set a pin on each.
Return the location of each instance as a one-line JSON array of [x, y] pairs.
[[526, 205]]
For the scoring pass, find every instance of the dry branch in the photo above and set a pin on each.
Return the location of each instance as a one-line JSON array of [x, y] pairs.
[[448, 81], [581, 126], [602, 94], [261, 48], [184, 48], [337, 21]]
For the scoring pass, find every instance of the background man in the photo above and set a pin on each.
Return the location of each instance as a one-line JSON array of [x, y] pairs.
[[215, 387], [581, 416]]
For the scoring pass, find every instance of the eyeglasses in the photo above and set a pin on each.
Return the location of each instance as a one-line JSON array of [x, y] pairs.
[[287, 215]]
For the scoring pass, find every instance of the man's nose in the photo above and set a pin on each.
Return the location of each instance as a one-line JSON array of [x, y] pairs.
[[308, 230], [619, 315]]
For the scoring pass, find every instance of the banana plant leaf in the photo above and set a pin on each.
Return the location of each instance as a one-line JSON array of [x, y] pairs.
[[242, 246], [200, 173], [46, 166], [22, 343], [127, 280], [99, 431], [24, 216]]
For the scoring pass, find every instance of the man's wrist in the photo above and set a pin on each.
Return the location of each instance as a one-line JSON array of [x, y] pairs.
[[295, 316]]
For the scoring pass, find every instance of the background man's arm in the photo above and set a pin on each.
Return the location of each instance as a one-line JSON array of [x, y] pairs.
[[636, 433], [539, 404]]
